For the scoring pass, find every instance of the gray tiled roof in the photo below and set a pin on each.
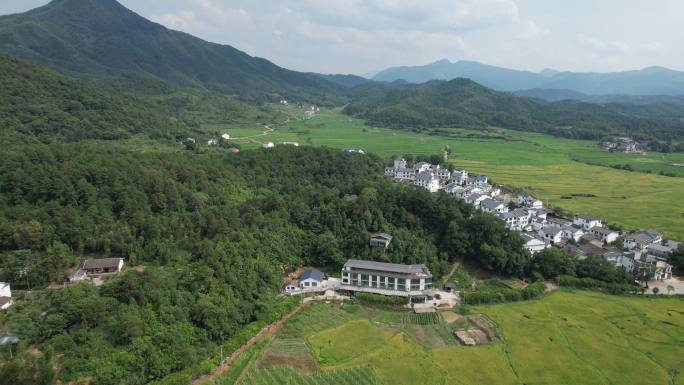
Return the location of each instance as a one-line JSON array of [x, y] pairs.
[[101, 263], [389, 267], [312, 274]]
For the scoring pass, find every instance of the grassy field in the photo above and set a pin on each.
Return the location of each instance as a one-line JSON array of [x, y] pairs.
[[547, 166], [569, 337]]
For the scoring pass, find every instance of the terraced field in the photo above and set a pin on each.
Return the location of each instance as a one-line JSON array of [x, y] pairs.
[[569, 337]]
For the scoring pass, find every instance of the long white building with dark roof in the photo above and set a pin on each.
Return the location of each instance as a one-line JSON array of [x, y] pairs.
[[386, 278]]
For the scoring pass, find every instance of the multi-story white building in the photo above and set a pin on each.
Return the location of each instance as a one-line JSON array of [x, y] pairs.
[[586, 222], [386, 278], [427, 180]]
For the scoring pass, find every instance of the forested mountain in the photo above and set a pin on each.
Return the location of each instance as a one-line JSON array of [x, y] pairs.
[[555, 95], [347, 81], [101, 38], [464, 103], [648, 81], [38, 104], [210, 235]]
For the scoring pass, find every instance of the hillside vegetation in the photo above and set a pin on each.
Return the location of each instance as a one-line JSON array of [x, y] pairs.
[[101, 38], [38, 104], [464, 103]]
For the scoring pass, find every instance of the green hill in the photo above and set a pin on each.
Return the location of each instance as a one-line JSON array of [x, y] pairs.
[[102, 38], [39, 104], [464, 103]]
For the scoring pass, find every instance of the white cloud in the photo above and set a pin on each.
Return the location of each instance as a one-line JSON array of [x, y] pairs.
[[532, 31], [610, 47]]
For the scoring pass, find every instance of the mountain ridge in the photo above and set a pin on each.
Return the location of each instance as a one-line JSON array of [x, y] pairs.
[[102, 38], [653, 80]]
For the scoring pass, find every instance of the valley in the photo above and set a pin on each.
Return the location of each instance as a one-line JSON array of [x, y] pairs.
[[551, 168]]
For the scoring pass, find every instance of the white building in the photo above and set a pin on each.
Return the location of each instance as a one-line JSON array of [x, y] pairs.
[[642, 239], [493, 206], [572, 232], [551, 234], [267, 145], [529, 201], [477, 180], [212, 142], [459, 176], [587, 221], [310, 280], [386, 278], [295, 144], [607, 235], [533, 244], [225, 136], [475, 199], [5, 296], [427, 180]]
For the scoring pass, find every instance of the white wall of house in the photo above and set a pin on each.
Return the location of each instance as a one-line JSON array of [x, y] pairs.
[[310, 283], [5, 290]]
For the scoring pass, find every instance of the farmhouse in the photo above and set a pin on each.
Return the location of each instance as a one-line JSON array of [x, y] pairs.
[[460, 177], [653, 268], [533, 244], [94, 268], [350, 150], [572, 232], [5, 296], [494, 206], [479, 180], [267, 145], [529, 201], [642, 239], [380, 240], [517, 219], [386, 278], [310, 280], [619, 259], [427, 180], [587, 222], [606, 235], [663, 251], [294, 144], [551, 234], [475, 199]]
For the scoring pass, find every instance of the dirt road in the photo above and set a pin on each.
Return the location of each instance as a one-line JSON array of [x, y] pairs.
[[268, 330]]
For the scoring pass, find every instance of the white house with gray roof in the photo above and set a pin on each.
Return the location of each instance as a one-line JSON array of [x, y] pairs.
[[493, 206], [5, 296], [427, 180], [642, 239], [386, 278], [607, 235], [533, 244], [587, 221]]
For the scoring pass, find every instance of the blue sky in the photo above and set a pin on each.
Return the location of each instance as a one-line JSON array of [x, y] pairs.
[[360, 36]]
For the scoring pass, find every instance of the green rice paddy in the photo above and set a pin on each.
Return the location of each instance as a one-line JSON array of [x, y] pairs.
[[549, 167], [568, 337]]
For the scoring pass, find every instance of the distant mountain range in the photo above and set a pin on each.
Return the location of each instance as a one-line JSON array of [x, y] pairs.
[[102, 38], [648, 81], [463, 103]]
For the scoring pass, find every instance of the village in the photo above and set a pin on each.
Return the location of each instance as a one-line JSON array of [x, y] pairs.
[[643, 252]]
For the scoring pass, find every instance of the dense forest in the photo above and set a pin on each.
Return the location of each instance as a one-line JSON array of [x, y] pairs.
[[41, 105], [464, 103], [211, 235]]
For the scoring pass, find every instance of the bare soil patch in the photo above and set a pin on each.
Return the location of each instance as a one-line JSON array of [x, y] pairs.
[[302, 363]]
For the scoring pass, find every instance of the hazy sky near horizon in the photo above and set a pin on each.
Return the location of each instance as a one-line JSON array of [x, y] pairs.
[[361, 36]]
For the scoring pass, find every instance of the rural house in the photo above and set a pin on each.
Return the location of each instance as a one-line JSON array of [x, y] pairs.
[[5, 296], [97, 268], [493, 206], [642, 239], [587, 222], [311, 278], [427, 180], [606, 235], [533, 244], [386, 278], [380, 241]]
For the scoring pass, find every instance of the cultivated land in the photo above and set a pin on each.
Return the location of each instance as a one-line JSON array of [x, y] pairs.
[[548, 167], [566, 338]]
